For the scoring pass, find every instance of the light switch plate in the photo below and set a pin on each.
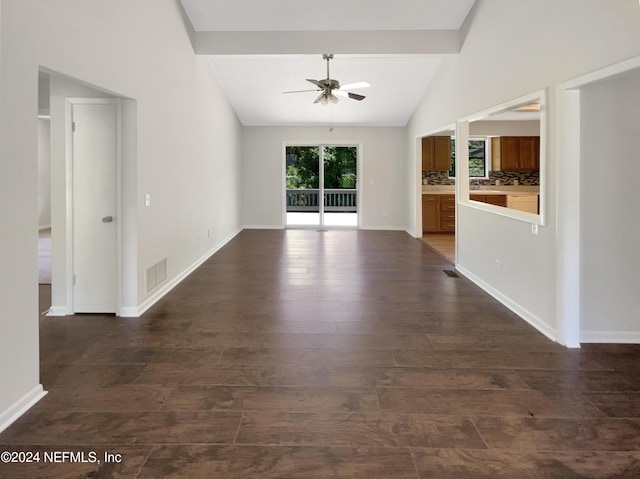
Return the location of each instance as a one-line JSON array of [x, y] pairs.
[[147, 200]]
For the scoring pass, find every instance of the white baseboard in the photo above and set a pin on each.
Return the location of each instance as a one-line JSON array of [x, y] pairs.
[[128, 312], [263, 227], [57, 311], [44, 227], [21, 406], [524, 313], [155, 297], [413, 233], [620, 337], [382, 228]]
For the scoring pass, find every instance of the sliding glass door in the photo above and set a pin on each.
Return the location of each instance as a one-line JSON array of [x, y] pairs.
[[324, 196]]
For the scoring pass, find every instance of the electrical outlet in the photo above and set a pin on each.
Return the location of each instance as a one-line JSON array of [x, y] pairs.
[[147, 200], [534, 229], [199, 239], [498, 266]]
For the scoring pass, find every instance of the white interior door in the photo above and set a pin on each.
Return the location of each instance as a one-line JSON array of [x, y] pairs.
[[95, 140]]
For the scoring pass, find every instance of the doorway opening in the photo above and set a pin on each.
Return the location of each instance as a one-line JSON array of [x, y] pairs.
[[321, 186], [44, 193]]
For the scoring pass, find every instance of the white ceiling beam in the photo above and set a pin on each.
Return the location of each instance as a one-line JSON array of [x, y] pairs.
[[392, 42]]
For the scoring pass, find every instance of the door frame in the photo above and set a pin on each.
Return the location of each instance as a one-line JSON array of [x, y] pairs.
[[321, 144], [69, 103], [568, 146]]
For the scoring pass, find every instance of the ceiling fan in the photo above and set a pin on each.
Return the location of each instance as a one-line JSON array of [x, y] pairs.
[[330, 88]]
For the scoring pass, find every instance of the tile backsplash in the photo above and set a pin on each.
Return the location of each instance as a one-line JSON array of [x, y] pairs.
[[526, 178], [437, 178]]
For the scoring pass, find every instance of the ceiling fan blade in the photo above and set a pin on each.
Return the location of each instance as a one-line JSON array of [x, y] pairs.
[[348, 94], [316, 82], [300, 91], [353, 86]]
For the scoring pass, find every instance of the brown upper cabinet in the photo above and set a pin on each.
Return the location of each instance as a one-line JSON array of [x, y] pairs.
[[519, 153], [436, 153]]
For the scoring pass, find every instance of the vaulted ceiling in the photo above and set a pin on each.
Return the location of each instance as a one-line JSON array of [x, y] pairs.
[[261, 48]]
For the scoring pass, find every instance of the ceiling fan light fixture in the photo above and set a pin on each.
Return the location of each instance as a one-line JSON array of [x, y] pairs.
[[333, 98], [322, 99]]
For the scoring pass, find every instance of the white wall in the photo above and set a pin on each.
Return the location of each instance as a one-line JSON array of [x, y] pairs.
[[501, 61], [505, 128], [610, 168], [44, 174], [188, 147], [381, 179]]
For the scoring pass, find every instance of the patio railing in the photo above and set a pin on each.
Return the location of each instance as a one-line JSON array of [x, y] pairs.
[[342, 200]]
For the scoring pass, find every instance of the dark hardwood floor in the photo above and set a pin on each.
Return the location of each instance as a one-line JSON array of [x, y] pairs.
[[338, 354]]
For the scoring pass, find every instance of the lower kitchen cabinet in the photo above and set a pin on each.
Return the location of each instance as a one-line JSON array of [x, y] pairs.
[[448, 213], [438, 213], [498, 200], [430, 213]]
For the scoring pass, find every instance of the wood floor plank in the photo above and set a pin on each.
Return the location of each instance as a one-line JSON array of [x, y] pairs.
[[405, 377], [324, 357], [358, 429], [125, 428], [259, 375], [504, 403], [271, 398], [575, 434], [269, 462], [616, 404], [513, 463]]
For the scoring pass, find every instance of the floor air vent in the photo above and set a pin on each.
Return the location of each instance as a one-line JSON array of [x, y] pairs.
[[450, 273], [156, 274]]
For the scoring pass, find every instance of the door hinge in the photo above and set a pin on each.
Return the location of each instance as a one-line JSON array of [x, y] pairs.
[[73, 126]]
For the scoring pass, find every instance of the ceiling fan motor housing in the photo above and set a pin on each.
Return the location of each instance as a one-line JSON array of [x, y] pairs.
[[331, 84]]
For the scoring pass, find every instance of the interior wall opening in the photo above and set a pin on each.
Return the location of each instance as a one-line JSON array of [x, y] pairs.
[[44, 192], [437, 159], [514, 139]]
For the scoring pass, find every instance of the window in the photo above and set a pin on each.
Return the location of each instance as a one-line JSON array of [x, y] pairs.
[[477, 158]]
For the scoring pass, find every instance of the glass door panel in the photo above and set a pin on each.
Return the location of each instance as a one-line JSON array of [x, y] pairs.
[[340, 185], [303, 185]]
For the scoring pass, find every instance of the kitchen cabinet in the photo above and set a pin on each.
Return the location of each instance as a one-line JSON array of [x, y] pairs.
[[438, 213], [430, 213], [436, 153], [527, 203], [498, 200], [448, 213], [519, 153]]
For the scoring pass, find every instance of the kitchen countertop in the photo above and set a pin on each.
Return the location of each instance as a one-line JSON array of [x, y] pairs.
[[486, 190]]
